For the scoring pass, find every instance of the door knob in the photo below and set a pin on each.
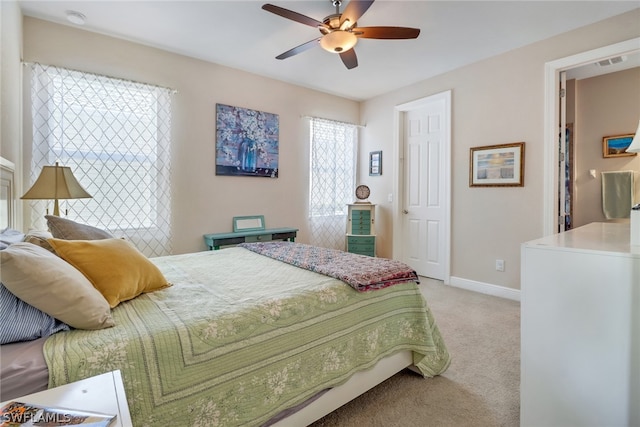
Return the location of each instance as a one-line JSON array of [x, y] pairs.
[[404, 211]]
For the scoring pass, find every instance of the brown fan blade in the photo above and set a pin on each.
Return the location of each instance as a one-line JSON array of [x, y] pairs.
[[349, 58], [294, 16], [299, 49], [386, 32], [354, 10]]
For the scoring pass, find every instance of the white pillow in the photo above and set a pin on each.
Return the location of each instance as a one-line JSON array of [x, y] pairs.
[[9, 236], [52, 285]]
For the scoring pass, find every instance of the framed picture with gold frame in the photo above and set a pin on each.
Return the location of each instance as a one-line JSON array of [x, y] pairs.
[[497, 165], [616, 145]]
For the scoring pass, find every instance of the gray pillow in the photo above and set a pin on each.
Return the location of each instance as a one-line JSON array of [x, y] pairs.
[[63, 228]]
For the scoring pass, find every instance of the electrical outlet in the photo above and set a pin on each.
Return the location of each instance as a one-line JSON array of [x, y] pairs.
[[390, 198], [499, 265]]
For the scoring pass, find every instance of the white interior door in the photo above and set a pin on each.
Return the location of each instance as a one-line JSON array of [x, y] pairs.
[[563, 177], [424, 218]]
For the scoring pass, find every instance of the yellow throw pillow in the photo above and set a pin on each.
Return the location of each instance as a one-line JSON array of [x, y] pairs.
[[114, 266]]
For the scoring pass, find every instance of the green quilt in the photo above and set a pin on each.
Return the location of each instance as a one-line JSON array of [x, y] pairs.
[[241, 337]]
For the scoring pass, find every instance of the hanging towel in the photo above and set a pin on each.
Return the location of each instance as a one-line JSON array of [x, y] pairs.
[[617, 194]]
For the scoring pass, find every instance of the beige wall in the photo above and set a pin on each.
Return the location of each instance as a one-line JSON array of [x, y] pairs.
[[496, 101], [10, 83], [202, 201], [10, 78], [606, 105]]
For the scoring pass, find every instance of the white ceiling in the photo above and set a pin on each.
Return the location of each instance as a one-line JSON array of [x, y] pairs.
[[612, 65], [241, 35]]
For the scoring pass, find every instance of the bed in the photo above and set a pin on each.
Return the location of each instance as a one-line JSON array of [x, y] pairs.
[[243, 337]]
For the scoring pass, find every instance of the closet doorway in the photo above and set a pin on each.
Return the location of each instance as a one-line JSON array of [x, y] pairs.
[[554, 152]]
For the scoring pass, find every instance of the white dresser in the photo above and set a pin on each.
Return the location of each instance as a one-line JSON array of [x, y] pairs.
[[580, 342]]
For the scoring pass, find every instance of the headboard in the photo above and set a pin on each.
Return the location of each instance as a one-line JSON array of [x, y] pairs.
[[7, 196]]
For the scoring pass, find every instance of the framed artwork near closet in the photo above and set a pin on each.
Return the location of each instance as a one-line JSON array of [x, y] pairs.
[[616, 145], [499, 165]]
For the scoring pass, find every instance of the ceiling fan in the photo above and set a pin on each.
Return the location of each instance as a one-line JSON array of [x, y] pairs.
[[339, 31]]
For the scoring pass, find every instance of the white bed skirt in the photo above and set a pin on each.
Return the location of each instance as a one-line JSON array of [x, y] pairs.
[[358, 384]]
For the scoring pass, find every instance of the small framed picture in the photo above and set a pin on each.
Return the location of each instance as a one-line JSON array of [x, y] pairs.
[[375, 163], [497, 165], [616, 145]]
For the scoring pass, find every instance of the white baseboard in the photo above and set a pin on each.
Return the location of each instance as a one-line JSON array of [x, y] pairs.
[[485, 288]]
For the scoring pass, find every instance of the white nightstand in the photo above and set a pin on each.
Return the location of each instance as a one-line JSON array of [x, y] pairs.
[[102, 393]]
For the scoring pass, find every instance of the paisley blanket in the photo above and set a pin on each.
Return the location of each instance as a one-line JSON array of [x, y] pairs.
[[363, 273]]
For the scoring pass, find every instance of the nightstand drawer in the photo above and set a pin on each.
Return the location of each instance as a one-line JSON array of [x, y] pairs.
[[363, 245], [258, 238], [369, 252], [362, 249], [361, 229], [360, 215], [361, 240]]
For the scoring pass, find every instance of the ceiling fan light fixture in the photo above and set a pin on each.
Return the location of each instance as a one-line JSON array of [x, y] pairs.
[[338, 41], [339, 31], [333, 21], [346, 25]]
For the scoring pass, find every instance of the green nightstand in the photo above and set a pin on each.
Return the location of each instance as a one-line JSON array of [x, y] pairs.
[[361, 233], [248, 229], [215, 240]]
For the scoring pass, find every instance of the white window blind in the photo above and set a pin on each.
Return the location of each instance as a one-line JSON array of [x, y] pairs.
[[115, 136], [332, 180]]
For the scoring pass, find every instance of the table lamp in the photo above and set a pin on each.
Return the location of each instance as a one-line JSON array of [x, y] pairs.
[[56, 182]]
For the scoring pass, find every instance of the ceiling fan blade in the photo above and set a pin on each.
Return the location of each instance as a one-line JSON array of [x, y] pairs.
[[354, 10], [386, 32], [349, 58], [294, 16], [299, 49]]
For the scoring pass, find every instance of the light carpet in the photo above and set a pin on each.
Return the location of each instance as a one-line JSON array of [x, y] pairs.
[[480, 388]]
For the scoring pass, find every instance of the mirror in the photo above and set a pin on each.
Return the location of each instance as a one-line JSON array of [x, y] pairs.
[[248, 223]]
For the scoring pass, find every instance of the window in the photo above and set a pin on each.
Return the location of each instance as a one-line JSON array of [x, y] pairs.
[[332, 180], [115, 136]]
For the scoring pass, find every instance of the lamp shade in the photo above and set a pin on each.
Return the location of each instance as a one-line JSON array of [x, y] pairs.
[[634, 147], [56, 182]]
